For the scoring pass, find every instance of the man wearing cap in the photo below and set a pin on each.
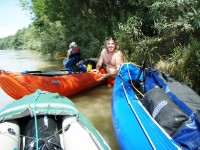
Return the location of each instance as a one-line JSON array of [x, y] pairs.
[[73, 56], [73, 50]]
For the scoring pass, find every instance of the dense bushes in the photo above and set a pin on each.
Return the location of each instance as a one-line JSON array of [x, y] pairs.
[[160, 32], [184, 64]]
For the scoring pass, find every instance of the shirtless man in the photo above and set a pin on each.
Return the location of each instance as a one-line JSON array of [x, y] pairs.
[[112, 58]]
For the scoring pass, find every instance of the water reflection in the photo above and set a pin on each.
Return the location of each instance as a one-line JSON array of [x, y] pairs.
[[21, 60], [94, 103]]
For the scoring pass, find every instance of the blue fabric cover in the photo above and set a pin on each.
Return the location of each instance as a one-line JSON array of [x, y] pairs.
[[188, 135]]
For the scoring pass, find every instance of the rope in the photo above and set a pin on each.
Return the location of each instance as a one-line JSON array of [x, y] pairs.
[[129, 102], [132, 82], [38, 92], [36, 138]]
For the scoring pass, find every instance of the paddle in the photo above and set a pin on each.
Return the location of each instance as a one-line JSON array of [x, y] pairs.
[[38, 71], [48, 73], [27, 72]]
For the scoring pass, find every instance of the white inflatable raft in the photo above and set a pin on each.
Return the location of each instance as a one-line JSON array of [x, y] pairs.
[[44, 121]]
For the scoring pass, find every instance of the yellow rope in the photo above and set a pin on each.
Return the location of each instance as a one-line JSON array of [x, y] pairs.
[[132, 82], [134, 111]]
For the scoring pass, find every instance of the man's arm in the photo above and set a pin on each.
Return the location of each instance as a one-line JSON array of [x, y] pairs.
[[100, 61], [68, 53], [119, 60]]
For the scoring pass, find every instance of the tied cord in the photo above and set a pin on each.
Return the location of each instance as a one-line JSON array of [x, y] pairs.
[[132, 107], [38, 92]]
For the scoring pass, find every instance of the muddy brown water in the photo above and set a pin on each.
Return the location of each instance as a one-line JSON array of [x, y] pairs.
[[94, 103]]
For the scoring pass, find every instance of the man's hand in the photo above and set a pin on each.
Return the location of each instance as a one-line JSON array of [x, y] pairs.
[[103, 76], [95, 70]]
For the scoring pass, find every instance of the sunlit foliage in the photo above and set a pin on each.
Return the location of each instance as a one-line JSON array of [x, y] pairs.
[[154, 30]]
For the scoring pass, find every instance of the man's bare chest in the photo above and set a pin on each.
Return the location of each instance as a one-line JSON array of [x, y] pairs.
[[110, 59]]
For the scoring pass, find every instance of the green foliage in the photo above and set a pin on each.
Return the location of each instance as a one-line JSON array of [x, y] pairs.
[[184, 64], [6, 43], [23, 39], [52, 39], [145, 29], [191, 66], [177, 54], [172, 17]]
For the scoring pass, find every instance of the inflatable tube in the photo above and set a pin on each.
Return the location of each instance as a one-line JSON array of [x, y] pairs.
[[59, 124], [76, 136], [9, 135]]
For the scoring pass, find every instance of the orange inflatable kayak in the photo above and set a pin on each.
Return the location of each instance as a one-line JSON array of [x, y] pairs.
[[18, 85]]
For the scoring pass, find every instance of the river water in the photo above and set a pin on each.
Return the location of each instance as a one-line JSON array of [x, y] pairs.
[[94, 103]]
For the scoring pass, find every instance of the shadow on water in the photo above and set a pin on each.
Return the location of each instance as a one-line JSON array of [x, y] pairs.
[[94, 103]]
